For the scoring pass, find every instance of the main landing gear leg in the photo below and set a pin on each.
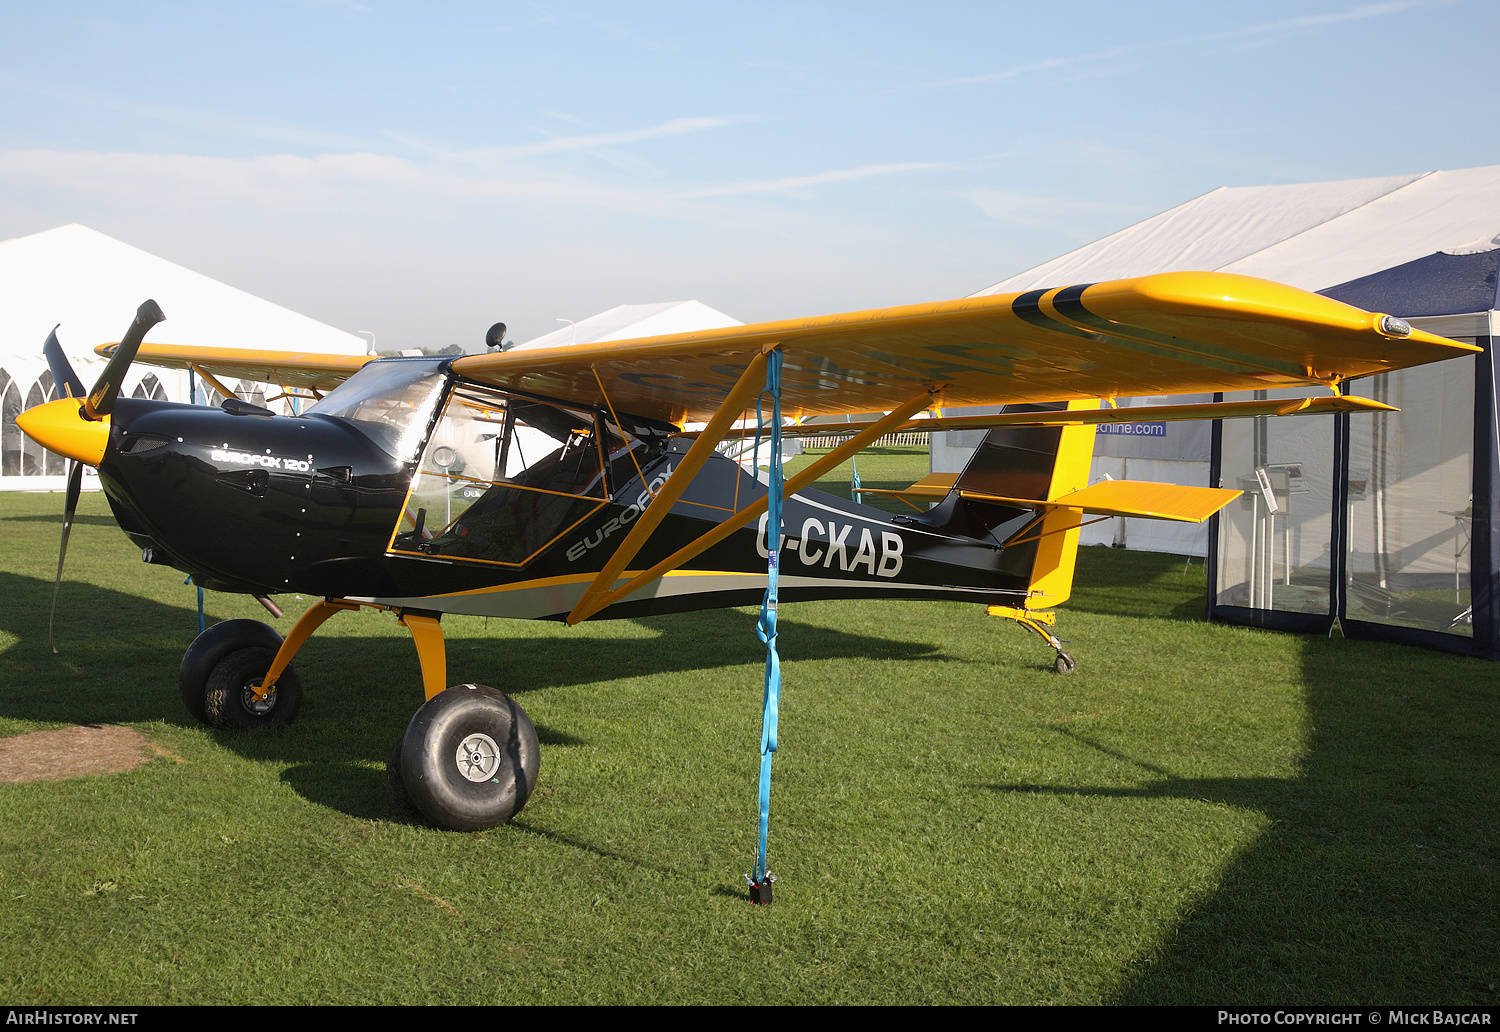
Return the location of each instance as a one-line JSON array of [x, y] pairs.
[[468, 760], [238, 673], [1034, 621]]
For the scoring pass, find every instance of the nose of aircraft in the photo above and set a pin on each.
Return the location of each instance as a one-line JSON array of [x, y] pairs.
[[78, 425], [60, 426]]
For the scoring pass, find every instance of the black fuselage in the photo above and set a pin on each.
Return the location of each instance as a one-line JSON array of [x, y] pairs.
[[246, 501]]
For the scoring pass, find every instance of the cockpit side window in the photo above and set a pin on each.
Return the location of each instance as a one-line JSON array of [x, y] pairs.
[[502, 477]]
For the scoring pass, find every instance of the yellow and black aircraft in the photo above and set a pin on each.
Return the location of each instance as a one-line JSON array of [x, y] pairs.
[[564, 483]]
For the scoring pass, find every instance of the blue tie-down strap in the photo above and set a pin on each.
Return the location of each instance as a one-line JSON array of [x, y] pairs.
[[760, 884]]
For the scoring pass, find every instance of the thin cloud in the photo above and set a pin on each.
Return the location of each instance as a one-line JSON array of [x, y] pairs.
[[290, 182], [208, 121], [1359, 12], [788, 184], [413, 143], [1009, 73], [1054, 214], [593, 141], [563, 116]]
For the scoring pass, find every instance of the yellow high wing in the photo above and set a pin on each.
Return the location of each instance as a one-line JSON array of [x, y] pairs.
[[1174, 333], [291, 370]]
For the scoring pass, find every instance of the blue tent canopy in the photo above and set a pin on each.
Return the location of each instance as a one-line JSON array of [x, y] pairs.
[[1385, 524], [1439, 284]]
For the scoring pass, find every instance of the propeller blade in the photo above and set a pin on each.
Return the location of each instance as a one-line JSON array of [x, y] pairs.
[[101, 399], [65, 382], [70, 506]]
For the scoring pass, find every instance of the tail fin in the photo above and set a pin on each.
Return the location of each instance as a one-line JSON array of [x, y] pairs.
[[1043, 463]]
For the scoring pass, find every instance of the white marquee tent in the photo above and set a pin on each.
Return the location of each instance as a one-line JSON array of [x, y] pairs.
[[1383, 523], [623, 322], [92, 284], [1310, 235]]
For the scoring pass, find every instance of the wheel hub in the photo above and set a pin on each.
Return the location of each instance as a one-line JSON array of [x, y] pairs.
[[478, 757], [259, 705]]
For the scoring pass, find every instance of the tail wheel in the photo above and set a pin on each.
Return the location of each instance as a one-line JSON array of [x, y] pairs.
[[230, 698], [209, 648], [1064, 664], [469, 758]]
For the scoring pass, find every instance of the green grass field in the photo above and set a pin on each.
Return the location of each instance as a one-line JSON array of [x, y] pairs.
[[1202, 814]]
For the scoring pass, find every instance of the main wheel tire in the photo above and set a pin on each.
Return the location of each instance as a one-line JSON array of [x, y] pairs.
[[209, 648], [229, 698], [469, 758], [393, 782]]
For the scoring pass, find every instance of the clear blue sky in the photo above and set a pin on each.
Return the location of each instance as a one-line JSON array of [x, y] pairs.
[[424, 170]]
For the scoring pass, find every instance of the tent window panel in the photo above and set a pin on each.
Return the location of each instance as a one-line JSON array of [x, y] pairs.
[[245, 390], [33, 455], [150, 389], [52, 463], [10, 434], [1275, 548], [254, 393], [1410, 500]]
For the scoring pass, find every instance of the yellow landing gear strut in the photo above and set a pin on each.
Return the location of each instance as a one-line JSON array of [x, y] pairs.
[[469, 757], [426, 633], [1038, 622]]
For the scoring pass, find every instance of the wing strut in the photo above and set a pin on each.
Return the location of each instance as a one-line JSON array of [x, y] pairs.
[[747, 387], [215, 384], [871, 432]]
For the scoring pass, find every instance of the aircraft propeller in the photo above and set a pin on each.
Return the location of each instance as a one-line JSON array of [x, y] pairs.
[[101, 400], [64, 379], [97, 405]]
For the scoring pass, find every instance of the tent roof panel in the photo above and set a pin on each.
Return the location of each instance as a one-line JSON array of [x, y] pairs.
[[1206, 233], [1309, 235], [1434, 212], [623, 322], [92, 285]]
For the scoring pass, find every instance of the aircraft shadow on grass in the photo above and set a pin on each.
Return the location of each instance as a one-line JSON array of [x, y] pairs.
[[1378, 879], [359, 691]]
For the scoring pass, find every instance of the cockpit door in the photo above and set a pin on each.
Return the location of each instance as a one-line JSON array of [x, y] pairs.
[[501, 478]]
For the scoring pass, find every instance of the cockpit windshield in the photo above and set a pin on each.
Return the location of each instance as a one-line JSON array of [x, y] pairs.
[[390, 401]]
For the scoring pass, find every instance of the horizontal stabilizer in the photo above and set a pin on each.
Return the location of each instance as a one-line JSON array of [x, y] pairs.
[[931, 488], [1132, 498]]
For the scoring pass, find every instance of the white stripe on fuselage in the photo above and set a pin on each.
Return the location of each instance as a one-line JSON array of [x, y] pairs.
[[555, 597]]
